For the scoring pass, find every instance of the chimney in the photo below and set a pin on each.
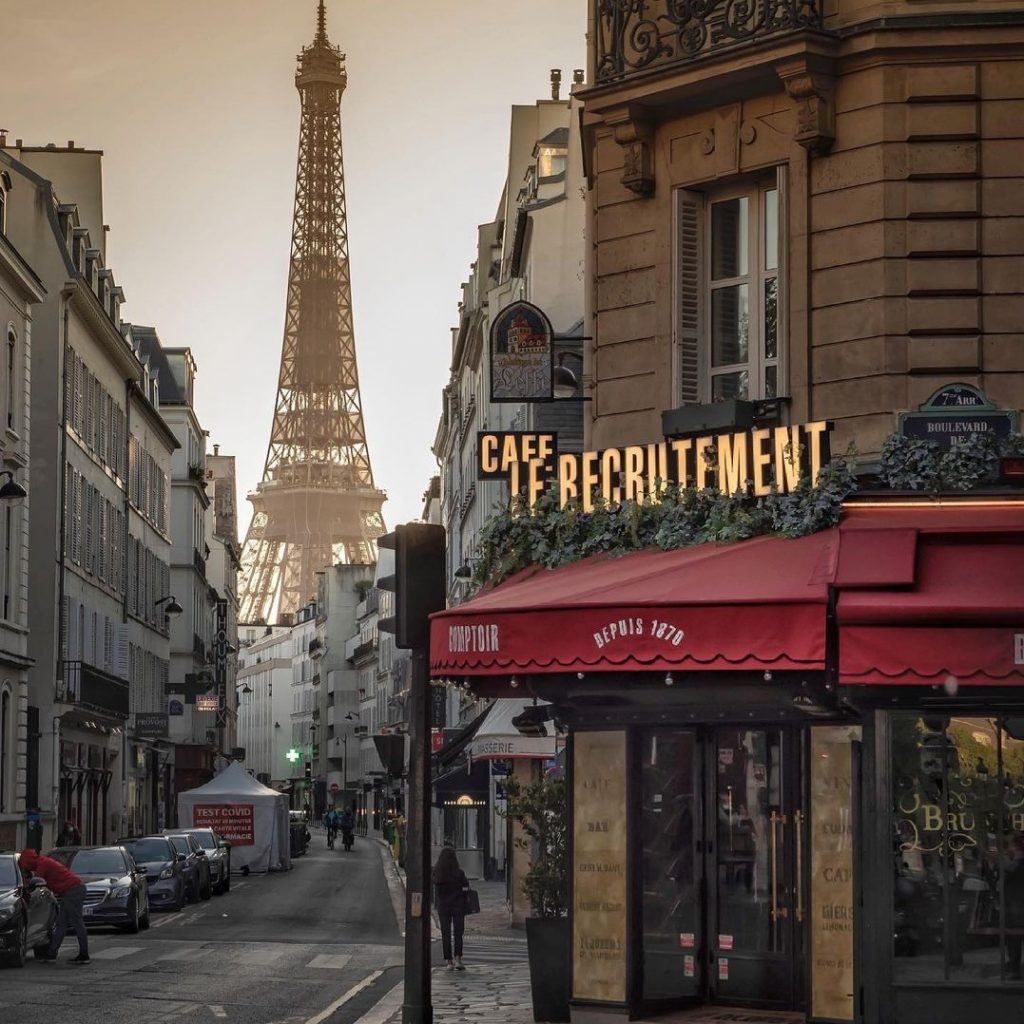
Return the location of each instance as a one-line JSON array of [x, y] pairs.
[[556, 82], [216, 449], [3, 137], [71, 143], [578, 76]]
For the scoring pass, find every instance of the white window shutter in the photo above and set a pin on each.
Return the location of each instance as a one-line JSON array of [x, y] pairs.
[[689, 293], [108, 645]]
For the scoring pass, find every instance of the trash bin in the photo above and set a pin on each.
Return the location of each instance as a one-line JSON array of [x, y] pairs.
[[299, 838], [388, 832]]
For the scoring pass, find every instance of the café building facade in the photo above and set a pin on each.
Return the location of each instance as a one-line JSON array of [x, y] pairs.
[[796, 766]]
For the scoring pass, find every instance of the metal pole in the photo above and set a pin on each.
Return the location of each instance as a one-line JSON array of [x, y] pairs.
[[417, 1008]]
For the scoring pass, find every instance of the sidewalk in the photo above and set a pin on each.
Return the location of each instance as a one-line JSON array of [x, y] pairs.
[[495, 987]]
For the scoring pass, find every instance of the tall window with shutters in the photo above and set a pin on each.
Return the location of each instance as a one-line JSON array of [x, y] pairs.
[[730, 292]]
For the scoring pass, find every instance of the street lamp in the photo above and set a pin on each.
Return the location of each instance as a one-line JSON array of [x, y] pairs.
[[12, 490], [564, 383], [173, 609]]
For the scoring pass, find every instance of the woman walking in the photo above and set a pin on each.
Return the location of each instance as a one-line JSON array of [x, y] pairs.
[[451, 886]]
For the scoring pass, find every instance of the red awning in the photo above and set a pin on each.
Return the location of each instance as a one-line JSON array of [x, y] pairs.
[[757, 604], [958, 613]]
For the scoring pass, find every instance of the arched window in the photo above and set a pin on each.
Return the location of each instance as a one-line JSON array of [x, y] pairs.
[[6, 749]]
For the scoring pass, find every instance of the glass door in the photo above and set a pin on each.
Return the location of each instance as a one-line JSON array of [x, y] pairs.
[[754, 823], [671, 851]]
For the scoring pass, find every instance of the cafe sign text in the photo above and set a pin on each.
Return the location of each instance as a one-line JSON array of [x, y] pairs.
[[756, 461]]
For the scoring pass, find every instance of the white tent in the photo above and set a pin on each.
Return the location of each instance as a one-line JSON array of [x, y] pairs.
[[253, 818]]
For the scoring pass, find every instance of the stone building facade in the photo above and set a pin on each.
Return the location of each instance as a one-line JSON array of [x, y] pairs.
[[821, 205]]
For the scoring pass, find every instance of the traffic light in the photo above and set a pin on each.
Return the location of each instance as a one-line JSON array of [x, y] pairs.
[[418, 582], [309, 769]]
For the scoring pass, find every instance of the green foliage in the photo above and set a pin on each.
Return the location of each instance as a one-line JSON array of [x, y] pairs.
[[916, 464], [513, 539], [541, 808]]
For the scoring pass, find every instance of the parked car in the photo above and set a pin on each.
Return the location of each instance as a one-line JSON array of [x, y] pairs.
[[218, 853], [28, 913], [116, 888], [196, 866], [164, 867]]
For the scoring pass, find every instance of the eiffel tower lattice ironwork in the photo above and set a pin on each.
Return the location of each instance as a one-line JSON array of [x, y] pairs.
[[317, 504]]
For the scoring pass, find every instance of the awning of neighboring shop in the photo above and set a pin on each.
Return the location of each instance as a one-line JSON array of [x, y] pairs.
[[499, 739], [757, 604], [457, 743], [467, 785], [932, 594]]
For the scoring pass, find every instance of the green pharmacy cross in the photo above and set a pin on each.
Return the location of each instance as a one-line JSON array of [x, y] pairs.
[[292, 755]]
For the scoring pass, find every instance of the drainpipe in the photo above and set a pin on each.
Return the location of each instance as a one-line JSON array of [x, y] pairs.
[[61, 506], [126, 537]]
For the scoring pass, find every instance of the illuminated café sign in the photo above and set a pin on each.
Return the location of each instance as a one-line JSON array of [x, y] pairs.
[[207, 702], [756, 460]]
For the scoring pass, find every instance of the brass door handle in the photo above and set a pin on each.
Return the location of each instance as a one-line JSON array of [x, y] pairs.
[[776, 820], [798, 825]]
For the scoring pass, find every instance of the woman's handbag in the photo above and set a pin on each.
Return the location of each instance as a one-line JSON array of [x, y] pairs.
[[472, 901]]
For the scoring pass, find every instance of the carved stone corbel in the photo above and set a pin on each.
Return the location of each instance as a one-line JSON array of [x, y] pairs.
[[636, 137], [814, 93]]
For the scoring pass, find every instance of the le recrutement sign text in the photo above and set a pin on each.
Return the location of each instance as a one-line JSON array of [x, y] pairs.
[[758, 461]]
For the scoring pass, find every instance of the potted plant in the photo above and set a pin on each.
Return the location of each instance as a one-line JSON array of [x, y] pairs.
[[541, 810]]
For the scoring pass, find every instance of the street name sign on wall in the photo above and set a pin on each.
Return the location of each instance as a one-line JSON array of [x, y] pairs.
[[521, 355], [954, 413]]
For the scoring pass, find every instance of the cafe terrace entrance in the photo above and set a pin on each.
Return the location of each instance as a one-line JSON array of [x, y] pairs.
[[793, 765]]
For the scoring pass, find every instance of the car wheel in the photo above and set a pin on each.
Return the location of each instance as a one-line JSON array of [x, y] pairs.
[[132, 927], [18, 956], [144, 920], [179, 904], [207, 891], [227, 882]]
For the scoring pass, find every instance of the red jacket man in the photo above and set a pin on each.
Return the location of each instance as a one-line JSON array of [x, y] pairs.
[[68, 886]]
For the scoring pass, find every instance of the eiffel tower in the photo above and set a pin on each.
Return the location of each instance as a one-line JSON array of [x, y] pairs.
[[317, 504]]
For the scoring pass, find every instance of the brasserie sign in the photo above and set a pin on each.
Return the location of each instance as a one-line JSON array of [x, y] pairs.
[[755, 461]]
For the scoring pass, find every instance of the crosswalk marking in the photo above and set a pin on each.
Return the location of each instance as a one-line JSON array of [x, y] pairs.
[[255, 957], [189, 953], [115, 952], [330, 961]]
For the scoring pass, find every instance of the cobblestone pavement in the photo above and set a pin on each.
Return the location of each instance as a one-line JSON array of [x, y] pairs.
[[495, 986]]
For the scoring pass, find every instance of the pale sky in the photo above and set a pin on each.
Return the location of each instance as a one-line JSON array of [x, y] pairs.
[[194, 105]]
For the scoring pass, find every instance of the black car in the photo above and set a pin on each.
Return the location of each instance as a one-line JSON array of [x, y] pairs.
[[218, 853], [164, 869], [116, 889], [28, 913], [196, 866]]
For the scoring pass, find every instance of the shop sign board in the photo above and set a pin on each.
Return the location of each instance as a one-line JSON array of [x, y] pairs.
[[954, 413], [234, 822], [521, 355], [207, 702], [151, 724], [831, 889], [762, 460], [599, 866]]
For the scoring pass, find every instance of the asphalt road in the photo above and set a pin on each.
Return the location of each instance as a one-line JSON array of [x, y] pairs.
[[319, 944]]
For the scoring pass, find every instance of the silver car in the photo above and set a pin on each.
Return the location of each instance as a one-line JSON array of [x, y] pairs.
[[218, 853]]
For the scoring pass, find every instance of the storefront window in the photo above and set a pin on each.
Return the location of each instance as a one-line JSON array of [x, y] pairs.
[[958, 825]]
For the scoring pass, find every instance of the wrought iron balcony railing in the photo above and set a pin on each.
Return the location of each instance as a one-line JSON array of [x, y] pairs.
[[636, 35], [95, 690]]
